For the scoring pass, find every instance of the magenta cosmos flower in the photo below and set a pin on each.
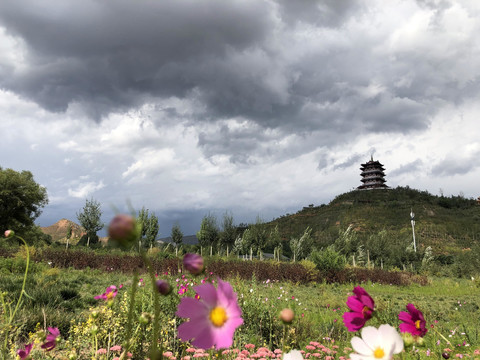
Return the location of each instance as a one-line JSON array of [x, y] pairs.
[[413, 321], [193, 263], [109, 293], [23, 353], [361, 307], [51, 339], [213, 318]]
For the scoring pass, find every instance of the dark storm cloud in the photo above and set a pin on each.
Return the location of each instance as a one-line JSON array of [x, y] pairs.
[[234, 58]]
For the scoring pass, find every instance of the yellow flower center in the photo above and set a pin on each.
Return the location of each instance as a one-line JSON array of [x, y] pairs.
[[110, 295], [379, 353], [218, 316], [417, 324]]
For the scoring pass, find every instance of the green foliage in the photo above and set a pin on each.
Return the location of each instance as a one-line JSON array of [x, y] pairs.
[[150, 227], [90, 220], [301, 246], [208, 235], [177, 235], [328, 260], [21, 200], [228, 234]]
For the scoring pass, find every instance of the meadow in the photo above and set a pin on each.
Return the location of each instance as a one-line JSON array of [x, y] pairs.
[[90, 328]]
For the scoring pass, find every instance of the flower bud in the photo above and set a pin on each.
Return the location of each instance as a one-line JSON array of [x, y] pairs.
[[163, 287], [94, 314], [287, 315], [419, 341], [72, 356], [94, 329], [407, 339], [9, 233], [145, 318], [445, 355], [123, 230], [193, 263]]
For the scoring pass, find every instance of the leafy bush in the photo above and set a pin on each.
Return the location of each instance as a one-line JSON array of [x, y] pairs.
[[328, 261]]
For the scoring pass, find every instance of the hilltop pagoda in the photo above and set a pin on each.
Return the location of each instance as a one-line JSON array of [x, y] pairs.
[[373, 176]]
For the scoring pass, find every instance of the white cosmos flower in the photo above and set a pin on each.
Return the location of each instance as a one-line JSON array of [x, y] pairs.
[[293, 355], [377, 344]]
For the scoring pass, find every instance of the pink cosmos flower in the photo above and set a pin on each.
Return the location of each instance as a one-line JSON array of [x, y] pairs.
[[109, 293], [213, 318], [413, 321], [361, 308], [51, 339], [23, 353]]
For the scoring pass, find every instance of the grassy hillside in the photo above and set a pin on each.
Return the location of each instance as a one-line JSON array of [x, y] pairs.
[[448, 224]]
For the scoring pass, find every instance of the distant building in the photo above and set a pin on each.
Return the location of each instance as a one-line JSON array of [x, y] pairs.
[[373, 176]]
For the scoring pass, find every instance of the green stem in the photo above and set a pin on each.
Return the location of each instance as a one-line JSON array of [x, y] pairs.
[[24, 280], [12, 315], [130, 313], [156, 305], [443, 337]]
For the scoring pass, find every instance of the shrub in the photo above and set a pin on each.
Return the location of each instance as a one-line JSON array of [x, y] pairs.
[[328, 261]]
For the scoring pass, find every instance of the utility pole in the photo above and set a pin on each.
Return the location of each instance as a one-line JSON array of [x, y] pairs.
[[412, 220]]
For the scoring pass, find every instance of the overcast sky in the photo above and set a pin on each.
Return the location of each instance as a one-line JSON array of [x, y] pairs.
[[256, 107]]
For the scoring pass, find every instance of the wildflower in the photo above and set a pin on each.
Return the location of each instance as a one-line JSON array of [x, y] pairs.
[[123, 229], [287, 315], [109, 293], [213, 318], [193, 263], [361, 306], [116, 348], [9, 233], [381, 343], [293, 355], [413, 321], [23, 353], [101, 351], [163, 287], [51, 339]]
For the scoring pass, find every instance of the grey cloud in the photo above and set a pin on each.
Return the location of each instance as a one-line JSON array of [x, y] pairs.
[[409, 168], [230, 57], [352, 160], [456, 164]]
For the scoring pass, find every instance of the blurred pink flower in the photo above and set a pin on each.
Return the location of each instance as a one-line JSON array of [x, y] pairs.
[[361, 307], [51, 339], [109, 293], [23, 353], [213, 319], [193, 263]]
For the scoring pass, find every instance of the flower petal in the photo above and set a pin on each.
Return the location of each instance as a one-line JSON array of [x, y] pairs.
[[192, 308], [208, 294], [371, 336], [360, 346]]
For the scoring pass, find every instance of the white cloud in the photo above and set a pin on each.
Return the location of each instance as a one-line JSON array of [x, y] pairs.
[[83, 190]]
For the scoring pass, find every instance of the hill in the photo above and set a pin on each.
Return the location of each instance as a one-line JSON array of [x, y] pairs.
[[58, 231], [448, 224]]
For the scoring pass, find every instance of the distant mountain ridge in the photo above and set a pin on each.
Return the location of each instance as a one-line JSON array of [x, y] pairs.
[[58, 231]]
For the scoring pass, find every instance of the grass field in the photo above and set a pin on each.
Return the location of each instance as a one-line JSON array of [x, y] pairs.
[[64, 298]]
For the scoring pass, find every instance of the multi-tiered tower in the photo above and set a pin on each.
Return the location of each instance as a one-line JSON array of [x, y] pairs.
[[373, 176]]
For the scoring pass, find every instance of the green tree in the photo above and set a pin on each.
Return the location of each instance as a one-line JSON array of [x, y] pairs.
[[258, 237], [301, 246], [151, 231], [177, 236], [69, 234], [208, 234], [90, 219], [229, 231], [21, 200], [275, 240], [150, 228]]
